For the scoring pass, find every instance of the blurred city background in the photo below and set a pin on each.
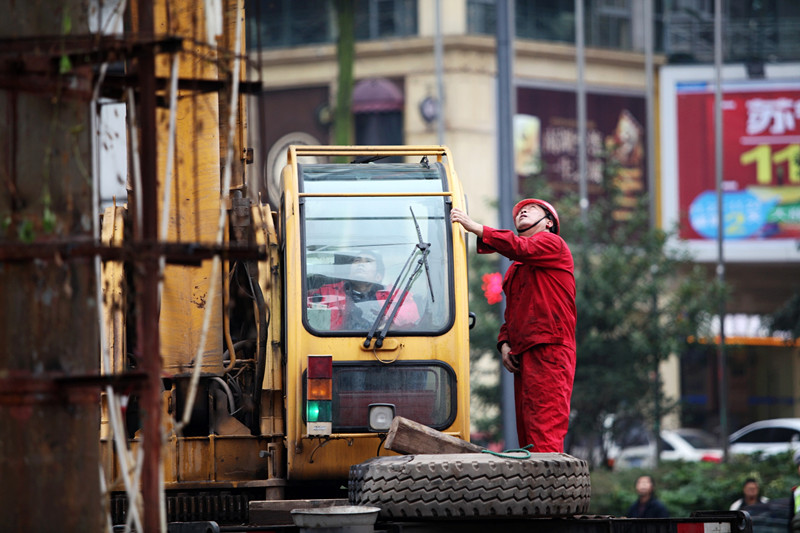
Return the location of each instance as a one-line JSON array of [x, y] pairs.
[[427, 72]]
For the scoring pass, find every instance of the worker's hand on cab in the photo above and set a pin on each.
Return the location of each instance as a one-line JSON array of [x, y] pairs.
[[460, 217], [510, 361]]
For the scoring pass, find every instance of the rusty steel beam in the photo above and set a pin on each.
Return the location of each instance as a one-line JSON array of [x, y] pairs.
[[88, 49], [77, 84], [188, 254], [114, 84], [26, 389], [35, 64], [147, 321], [49, 450]]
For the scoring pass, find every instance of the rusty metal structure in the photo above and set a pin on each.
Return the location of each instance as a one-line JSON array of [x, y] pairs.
[[178, 65], [157, 351]]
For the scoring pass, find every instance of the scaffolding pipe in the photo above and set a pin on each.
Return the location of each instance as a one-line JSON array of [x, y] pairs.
[[147, 322]]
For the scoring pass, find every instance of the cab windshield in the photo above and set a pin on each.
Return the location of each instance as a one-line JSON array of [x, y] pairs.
[[376, 254]]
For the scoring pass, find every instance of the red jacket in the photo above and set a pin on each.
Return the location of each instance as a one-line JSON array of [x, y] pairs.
[[539, 287]]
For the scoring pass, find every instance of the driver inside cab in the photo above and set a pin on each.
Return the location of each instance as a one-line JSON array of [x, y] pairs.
[[356, 300]]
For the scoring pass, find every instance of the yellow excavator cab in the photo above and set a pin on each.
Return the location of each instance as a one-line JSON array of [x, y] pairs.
[[375, 302]]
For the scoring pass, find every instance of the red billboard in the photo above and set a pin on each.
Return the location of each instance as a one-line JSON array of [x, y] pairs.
[[761, 160], [760, 189]]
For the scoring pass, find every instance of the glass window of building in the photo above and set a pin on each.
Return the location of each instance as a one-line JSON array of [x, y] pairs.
[[609, 24], [286, 23], [384, 19], [753, 31], [545, 21], [533, 19], [481, 17]]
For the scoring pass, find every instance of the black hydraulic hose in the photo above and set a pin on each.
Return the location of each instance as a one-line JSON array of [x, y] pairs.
[[243, 345], [261, 355]]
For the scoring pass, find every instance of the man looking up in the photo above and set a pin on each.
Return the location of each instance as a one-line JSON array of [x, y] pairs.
[[537, 338]]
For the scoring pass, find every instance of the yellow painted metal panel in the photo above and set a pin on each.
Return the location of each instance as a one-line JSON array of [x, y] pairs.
[[269, 278], [195, 459], [114, 289], [238, 459], [114, 305], [195, 197]]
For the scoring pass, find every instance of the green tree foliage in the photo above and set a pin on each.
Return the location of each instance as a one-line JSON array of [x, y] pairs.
[[484, 357], [787, 318], [345, 54]]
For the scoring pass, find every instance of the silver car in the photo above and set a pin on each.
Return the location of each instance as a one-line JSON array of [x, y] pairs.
[[684, 444]]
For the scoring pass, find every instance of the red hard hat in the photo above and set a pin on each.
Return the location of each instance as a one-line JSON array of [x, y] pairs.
[[546, 205]]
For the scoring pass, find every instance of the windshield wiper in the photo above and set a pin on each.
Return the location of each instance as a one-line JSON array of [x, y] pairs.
[[387, 302], [422, 261], [367, 159], [421, 247], [425, 247]]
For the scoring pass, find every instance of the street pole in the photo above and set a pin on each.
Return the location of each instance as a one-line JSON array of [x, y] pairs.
[[651, 175], [580, 92], [722, 379], [650, 111], [506, 103]]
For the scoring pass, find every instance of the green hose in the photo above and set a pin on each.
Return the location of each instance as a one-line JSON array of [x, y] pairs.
[[507, 453]]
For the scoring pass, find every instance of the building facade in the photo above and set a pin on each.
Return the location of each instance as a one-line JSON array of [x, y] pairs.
[[396, 100]]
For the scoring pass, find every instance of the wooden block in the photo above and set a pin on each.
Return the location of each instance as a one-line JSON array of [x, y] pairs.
[[409, 437]]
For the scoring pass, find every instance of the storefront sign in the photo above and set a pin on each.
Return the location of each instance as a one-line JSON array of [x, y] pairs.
[[546, 141]]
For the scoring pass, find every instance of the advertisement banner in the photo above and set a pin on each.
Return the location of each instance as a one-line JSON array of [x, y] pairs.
[[546, 141], [760, 189], [761, 160]]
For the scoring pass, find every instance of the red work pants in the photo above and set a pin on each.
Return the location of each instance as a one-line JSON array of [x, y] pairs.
[[542, 391]]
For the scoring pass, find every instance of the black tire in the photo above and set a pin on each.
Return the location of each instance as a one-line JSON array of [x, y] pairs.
[[472, 485]]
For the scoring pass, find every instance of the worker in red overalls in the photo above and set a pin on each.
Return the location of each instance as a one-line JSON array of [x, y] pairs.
[[537, 339]]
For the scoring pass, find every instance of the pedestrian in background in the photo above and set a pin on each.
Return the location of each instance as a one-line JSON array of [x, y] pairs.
[[751, 495], [646, 504], [537, 338]]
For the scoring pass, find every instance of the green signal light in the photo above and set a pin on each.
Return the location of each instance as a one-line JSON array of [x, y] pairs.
[[318, 411], [312, 411]]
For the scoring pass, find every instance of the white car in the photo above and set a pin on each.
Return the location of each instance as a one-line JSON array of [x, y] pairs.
[[767, 437], [685, 444]]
